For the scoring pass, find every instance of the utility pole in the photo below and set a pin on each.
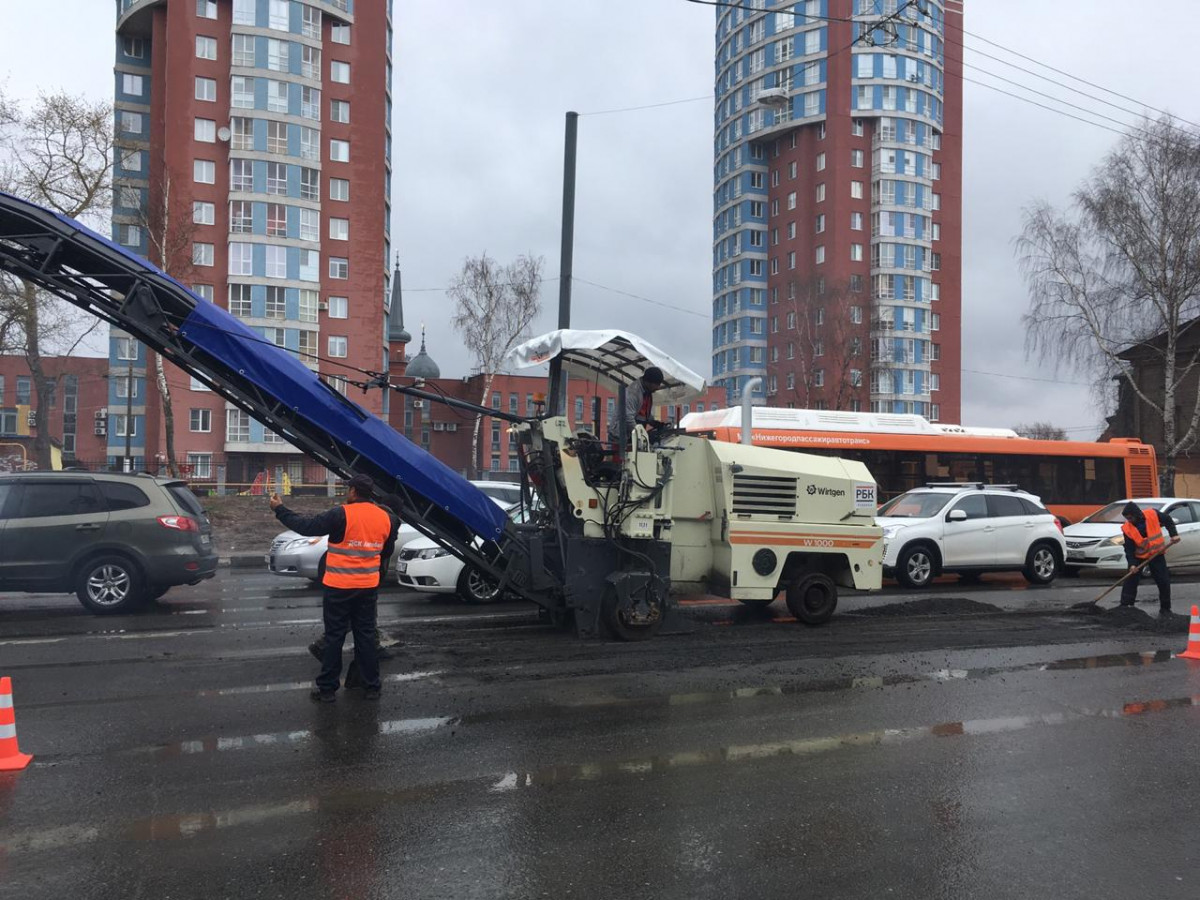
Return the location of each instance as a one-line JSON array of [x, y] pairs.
[[558, 396], [128, 414]]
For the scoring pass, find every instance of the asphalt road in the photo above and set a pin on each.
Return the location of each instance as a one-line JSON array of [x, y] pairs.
[[1009, 750]]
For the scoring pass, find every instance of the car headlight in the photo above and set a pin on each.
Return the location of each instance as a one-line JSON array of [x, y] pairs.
[[433, 553], [299, 543], [1116, 540], [891, 531]]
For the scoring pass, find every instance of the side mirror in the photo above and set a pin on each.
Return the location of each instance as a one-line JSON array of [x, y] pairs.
[[956, 515]]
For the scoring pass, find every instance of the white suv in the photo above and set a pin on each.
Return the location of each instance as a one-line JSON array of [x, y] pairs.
[[969, 529]]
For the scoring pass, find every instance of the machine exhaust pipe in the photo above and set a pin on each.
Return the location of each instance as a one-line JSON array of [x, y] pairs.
[[747, 414]]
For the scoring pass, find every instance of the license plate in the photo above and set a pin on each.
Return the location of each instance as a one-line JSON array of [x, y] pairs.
[[1074, 554], [401, 568]]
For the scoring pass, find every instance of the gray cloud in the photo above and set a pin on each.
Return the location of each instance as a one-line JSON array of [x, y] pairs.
[[480, 93]]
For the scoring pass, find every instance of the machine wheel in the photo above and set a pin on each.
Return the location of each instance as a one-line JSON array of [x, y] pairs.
[[474, 587], [639, 618], [110, 585], [812, 598], [1041, 564], [916, 566]]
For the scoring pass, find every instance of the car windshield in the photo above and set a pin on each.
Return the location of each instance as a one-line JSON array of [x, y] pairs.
[[1111, 514], [917, 505]]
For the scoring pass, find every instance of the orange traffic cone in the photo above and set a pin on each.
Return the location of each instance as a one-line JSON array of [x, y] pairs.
[[1193, 647], [11, 758]]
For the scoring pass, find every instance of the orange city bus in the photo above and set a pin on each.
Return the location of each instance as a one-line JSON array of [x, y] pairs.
[[1073, 478]]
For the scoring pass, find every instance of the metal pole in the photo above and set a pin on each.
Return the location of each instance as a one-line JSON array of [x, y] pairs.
[[128, 415], [748, 409], [558, 398]]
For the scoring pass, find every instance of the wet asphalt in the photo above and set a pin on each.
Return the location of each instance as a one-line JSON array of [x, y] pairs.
[[984, 741]]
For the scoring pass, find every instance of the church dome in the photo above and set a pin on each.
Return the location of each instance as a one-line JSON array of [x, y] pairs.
[[422, 365]]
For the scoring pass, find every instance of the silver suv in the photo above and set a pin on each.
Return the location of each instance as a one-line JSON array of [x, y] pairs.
[[969, 529], [116, 540]]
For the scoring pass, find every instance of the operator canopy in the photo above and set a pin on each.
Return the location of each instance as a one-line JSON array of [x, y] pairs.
[[610, 359]]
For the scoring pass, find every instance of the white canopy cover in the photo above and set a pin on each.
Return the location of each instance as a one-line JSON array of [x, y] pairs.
[[609, 359]]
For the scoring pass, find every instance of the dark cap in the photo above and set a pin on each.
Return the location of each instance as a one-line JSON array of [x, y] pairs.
[[1132, 511], [362, 484], [653, 375]]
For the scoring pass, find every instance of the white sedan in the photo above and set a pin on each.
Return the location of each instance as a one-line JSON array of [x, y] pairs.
[[1096, 543], [426, 566], [298, 556]]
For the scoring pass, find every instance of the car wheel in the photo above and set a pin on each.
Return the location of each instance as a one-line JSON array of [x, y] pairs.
[[109, 585], [812, 598], [475, 587], [916, 566], [1041, 564], [319, 581]]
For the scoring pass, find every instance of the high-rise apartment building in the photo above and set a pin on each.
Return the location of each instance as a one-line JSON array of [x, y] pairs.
[[837, 229], [253, 163]]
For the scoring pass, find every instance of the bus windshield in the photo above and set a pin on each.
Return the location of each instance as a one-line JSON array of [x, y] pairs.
[[1111, 514], [916, 505]]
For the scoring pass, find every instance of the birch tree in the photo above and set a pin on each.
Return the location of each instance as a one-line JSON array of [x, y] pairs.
[[821, 341], [58, 154], [494, 307], [1118, 270]]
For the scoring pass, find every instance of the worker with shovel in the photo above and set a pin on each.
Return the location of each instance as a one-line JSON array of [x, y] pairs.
[[1146, 546]]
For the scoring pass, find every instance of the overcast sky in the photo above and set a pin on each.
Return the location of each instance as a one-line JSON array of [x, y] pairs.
[[481, 90]]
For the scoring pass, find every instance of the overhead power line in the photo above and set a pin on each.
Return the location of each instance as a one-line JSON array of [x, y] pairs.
[[612, 290]]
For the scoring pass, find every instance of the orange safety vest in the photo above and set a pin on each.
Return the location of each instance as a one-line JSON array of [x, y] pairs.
[[1152, 543], [353, 562]]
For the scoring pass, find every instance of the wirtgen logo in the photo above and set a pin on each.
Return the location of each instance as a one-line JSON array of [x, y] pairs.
[[813, 490]]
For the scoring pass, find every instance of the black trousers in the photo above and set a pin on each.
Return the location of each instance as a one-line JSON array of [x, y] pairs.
[[1162, 578], [349, 610]]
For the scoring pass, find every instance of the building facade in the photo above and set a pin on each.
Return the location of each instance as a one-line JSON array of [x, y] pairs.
[[838, 205], [77, 417], [253, 163]]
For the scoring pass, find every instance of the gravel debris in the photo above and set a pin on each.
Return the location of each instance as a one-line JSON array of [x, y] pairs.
[[930, 606]]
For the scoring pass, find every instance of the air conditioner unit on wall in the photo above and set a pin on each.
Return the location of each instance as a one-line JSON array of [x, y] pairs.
[[439, 426], [323, 306], [452, 426], [418, 404], [101, 428]]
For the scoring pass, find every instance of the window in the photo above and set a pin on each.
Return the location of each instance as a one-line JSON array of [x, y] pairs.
[[339, 33], [276, 220], [135, 84], [935, 382], [308, 345], [337, 346], [241, 178], [937, 201], [241, 133], [277, 137], [237, 426], [200, 465], [276, 178], [339, 268], [200, 420], [856, 190], [338, 307], [310, 184], [206, 47], [856, 127], [206, 131], [310, 264], [243, 50], [339, 189], [856, 159], [278, 55], [935, 232], [339, 151], [856, 252], [239, 301], [310, 103], [820, 254], [935, 262], [791, 200], [206, 9], [131, 122], [131, 160], [204, 291], [339, 111], [821, 192], [280, 15], [935, 322], [339, 72], [310, 63], [821, 162], [206, 89], [241, 92], [241, 259], [339, 229], [204, 171], [935, 352], [856, 315], [818, 378], [202, 254], [276, 261], [856, 284], [820, 226], [310, 143], [307, 307], [276, 305], [277, 95], [310, 22], [791, 231]]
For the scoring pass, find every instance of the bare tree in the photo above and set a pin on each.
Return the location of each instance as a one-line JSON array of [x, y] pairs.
[[494, 307], [58, 155], [1040, 431], [166, 220], [1120, 269], [823, 344]]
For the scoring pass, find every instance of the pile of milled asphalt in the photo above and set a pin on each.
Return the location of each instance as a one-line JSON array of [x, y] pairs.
[[930, 606], [1134, 618]]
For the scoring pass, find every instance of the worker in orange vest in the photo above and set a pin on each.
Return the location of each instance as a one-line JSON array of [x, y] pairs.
[[361, 535], [1143, 530]]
